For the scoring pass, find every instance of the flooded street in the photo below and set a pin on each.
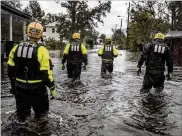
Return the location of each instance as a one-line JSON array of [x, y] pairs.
[[102, 107]]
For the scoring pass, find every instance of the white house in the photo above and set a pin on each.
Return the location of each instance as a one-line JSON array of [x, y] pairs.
[[50, 31]]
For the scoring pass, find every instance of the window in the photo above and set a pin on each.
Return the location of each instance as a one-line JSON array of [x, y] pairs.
[[53, 30]]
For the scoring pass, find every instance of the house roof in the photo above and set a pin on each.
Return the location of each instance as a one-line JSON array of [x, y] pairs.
[[12, 10], [174, 34], [51, 24]]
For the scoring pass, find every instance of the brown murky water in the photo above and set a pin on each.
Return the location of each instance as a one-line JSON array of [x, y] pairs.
[[102, 107]]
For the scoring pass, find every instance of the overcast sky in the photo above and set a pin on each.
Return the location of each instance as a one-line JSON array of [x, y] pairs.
[[117, 8]]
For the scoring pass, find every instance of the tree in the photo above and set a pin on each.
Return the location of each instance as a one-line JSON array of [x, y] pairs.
[[146, 20], [35, 11], [50, 18], [95, 35], [90, 42], [103, 37], [63, 27], [90, 36], [14, 4], [81, 17], [175, 12], [119, 38]]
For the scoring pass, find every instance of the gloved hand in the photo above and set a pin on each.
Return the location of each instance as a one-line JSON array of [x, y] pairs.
[[138, 71], [85, 67], [53, 94], [169, 76], [63, 67]]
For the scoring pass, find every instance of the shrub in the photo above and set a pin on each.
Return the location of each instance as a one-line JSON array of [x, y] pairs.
[[52, 44], [90, 42]]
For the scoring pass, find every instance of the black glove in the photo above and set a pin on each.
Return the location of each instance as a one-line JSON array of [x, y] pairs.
[[63, 67], [85, 67], [169, 76], [52, 98]]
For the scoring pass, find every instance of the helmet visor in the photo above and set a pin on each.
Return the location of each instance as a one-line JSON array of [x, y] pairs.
[[33, 32]]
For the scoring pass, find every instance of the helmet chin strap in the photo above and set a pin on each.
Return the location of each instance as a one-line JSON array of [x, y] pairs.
[[33, 39]]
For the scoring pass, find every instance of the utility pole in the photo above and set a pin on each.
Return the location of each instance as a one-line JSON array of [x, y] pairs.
[[115, 33], [128, 24], [121, 25]]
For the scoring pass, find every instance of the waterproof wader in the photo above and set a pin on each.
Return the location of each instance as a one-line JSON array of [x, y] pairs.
[[28, 96], [75, 53], [107, 59], [73, 70], [30, 81], [155, 55], [106, 66], [151, 80]]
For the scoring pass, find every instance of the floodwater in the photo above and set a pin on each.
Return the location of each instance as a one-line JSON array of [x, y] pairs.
[[102, 107]]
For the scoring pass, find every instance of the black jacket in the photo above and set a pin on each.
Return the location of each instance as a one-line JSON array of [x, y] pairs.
[[155, 55]]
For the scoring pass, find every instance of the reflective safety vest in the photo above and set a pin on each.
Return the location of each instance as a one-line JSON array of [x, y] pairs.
[[75, 53], [156, 57], [108, 52], [26, 62]]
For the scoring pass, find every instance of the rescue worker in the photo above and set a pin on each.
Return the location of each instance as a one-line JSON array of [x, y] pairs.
[[155, 54], [74, 53], [30, 71], [108, 53]]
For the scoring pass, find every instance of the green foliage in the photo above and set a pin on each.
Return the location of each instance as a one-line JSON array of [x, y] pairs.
[[80, 17], [35, 11], [103, 36], [52, 44], [175, 10], [90, 42], [145, 22], [14, 4], [91, 33], [50, 18], [119, 38]]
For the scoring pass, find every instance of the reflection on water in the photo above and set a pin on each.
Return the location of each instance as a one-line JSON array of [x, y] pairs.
[[107, 107], [55, 53], [152, 114]]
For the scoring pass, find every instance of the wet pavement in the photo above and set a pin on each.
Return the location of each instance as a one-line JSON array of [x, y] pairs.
[[102, 107]]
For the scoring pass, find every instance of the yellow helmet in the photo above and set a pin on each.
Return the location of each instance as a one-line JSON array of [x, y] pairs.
[[159, 36], [76, 36], [108, 38], [35, 30]]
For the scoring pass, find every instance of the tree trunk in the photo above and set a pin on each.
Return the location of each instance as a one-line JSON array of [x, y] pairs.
[[73, 16]]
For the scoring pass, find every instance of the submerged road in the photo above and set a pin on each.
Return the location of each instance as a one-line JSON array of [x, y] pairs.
[[103, 107]]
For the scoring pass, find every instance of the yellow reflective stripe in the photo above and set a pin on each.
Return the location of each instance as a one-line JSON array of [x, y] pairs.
[[100, 52], [83, 49], [115, 52], [66, 50], [51, 87], [29, 81], [11, 56], [107, 59]]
